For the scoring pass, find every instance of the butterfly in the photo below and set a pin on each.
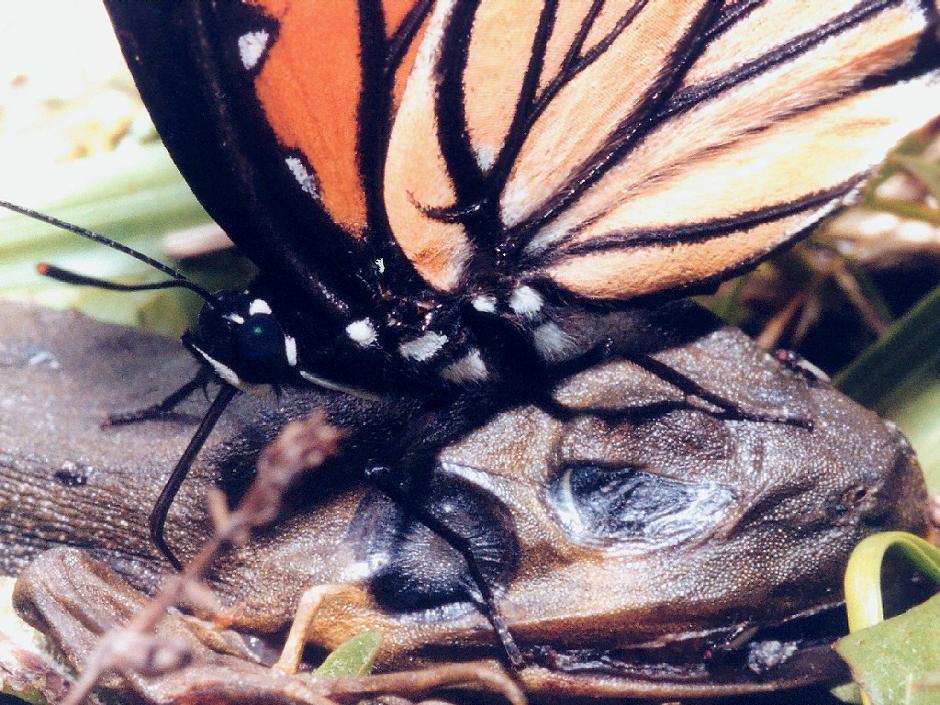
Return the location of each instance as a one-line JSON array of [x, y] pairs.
[[455, 197]]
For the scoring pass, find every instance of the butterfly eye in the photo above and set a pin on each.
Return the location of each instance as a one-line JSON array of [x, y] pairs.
[[261, 343]]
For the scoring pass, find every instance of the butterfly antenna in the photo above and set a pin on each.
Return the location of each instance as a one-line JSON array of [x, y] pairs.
[[64, 275]]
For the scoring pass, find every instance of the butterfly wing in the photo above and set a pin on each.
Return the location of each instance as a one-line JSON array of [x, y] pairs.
[[627, 148], [276, 112]]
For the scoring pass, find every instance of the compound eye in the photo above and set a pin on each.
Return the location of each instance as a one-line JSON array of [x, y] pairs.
[[261, 342]]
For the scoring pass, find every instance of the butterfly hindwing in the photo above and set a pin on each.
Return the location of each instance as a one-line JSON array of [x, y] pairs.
[[622, 149]]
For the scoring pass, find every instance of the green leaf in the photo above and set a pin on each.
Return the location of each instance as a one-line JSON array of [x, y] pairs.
[[352, 658], [135, 198], [848, 693], [897, 661], [899, 376]]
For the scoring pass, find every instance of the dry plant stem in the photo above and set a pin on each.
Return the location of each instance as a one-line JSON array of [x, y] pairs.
[[867, 312], [769, 338], [301, 445]]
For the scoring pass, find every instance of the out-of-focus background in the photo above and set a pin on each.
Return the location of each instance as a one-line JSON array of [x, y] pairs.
[[858, 299], [76, 142]]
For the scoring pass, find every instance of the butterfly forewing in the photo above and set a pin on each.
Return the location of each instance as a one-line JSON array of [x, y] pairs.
[[278, 118], [774, 138]]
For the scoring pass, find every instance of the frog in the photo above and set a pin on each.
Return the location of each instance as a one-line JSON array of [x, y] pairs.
[[639, 540]]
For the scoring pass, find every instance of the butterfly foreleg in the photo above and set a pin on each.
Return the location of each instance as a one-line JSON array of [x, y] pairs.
[[165, 406]]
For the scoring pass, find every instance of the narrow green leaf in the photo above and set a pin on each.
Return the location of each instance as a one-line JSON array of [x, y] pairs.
[[352, 658], [899, 377], [848, 693]]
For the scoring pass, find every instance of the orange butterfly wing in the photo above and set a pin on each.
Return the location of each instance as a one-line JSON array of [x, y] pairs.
[[622, 149]]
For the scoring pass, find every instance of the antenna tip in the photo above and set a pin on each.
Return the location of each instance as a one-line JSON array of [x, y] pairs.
[[43, 268]]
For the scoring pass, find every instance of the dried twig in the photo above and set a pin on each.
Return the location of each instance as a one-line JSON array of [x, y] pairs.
[[133, 648]]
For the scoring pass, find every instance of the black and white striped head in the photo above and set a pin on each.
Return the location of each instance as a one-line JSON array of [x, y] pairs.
[[240, 338]]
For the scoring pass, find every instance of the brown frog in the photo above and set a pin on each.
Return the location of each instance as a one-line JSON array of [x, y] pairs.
[[640, 541]]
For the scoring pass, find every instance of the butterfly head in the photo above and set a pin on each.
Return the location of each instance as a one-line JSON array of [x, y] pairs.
[[238, 335]]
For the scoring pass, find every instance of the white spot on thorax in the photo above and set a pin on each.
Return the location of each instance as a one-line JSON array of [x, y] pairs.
[[258, 306], [525, 301], [234, 318], [290, 350], [308, 184], [469, 368], [251, 46], [423, 348], [362, 332], [484, 303]]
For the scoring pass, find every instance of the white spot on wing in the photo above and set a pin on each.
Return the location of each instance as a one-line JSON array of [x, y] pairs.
[[486, 157], [484, 303], [251, 47], [258, 306], [469, 368], [552, 342], [234, 318], [545, 237], [525, 301], [362, 332], [308, 184], [423, 348]]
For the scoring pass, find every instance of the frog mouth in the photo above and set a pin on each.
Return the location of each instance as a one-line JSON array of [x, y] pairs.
[[744, 658]]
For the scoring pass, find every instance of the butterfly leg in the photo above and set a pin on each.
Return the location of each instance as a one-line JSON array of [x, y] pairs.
[[730, 407], [161, 508], [161, 408], [393, 485]]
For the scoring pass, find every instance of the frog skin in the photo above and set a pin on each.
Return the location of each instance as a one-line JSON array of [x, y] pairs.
[[640, 542]]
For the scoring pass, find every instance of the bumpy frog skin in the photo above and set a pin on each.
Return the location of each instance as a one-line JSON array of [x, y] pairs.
[[640, 543]]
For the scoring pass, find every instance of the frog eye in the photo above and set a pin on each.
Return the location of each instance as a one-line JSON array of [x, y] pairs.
[[630, 507]]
